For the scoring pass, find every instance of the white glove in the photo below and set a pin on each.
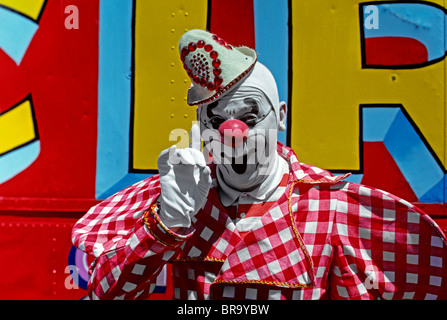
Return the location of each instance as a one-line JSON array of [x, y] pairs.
[[185, 180]]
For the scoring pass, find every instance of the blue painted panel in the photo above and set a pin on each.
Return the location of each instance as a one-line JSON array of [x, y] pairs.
[[414, 159], [354, 178], [272, 43], [16, 33], [435, 194], [376, 122], [114, 98], [16, 161]]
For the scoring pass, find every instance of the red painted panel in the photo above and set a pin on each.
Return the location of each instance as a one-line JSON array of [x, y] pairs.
[[394, 51], [381, 171], [442, 223], [34, 254], [436, 209], [233, 21], [60, 71]]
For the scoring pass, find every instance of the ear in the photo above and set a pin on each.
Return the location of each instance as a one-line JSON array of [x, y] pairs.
[[282, 116]]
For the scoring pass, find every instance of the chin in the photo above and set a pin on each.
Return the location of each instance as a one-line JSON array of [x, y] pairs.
[[246, 181], [243, 177]]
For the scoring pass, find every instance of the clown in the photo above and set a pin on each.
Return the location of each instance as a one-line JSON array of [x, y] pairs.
[[244, 219]]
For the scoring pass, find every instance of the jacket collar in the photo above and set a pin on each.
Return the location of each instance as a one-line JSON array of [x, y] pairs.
[[304, 173]]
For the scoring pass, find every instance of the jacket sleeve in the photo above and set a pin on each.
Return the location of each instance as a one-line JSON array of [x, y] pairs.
[[385, 248], [129, 242]]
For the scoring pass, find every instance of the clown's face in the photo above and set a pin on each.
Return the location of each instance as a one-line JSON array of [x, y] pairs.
[[240, 132]]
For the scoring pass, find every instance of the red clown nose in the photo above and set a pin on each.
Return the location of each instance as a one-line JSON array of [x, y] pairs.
[[233, 132]]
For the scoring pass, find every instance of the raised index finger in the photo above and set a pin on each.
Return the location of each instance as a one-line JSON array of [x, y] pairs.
[[196, 142]]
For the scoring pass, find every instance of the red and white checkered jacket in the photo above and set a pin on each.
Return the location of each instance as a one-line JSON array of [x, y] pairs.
[[323, 238]]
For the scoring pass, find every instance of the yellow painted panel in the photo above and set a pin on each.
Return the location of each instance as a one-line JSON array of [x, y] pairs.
[[161, 84], [30, 8], [329, 85], [16, 127]]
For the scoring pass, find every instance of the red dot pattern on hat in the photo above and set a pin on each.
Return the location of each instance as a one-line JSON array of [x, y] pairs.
[[222, 42], [199, 69]]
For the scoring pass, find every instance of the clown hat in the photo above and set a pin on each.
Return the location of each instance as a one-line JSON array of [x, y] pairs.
[[213, 65]]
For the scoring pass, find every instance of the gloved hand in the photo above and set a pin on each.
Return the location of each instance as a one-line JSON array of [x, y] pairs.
[[185, 180]]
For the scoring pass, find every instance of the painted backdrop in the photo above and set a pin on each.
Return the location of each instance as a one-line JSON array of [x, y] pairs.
[[93, 90]]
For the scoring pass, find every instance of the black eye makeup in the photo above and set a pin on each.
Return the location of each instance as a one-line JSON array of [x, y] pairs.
[[216, 121]]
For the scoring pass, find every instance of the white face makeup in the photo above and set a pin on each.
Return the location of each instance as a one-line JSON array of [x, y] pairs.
[[243, 165]]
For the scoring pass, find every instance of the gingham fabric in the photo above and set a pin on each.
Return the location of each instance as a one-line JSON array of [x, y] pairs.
[[324, 238], [247, 214]]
